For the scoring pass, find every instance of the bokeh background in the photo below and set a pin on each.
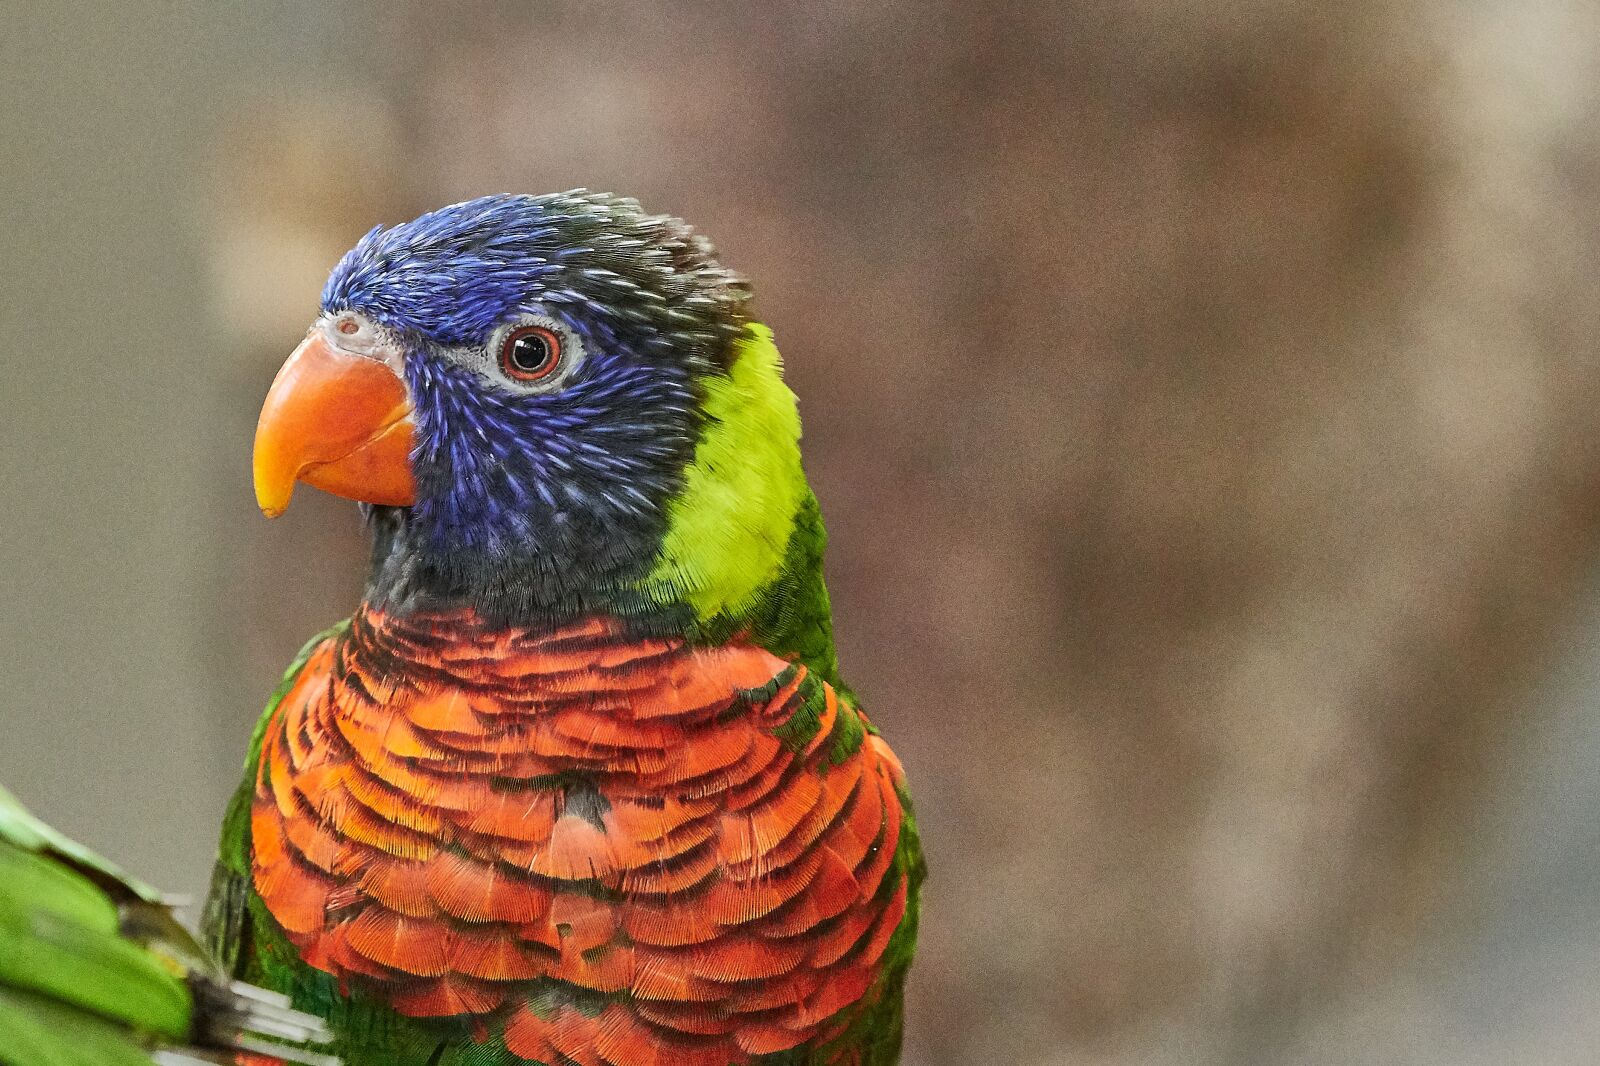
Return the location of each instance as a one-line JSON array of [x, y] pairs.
[[1202, 397]]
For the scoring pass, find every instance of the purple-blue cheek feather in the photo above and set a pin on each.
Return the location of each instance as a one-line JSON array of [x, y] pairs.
[[495, 469]]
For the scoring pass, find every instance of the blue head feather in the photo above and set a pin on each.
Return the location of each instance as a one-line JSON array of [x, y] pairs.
[[552, 501]]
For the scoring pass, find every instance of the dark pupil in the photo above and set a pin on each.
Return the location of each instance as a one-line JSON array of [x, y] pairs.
[[530, 354]]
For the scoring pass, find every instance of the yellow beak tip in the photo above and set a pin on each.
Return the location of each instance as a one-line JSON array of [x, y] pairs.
[[274, 499]]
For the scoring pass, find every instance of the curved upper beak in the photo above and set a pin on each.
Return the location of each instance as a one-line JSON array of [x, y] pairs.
[[338, 421]]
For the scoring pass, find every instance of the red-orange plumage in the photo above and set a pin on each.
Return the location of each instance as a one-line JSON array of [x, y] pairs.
[[454, 817]]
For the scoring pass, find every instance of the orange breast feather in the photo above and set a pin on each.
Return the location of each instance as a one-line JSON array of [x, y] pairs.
[[613, 850]]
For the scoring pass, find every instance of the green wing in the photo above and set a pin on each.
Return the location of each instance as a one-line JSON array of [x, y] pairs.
[[95, 971]]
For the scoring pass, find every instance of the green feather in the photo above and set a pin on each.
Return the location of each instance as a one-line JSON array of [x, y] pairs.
[[745, 539], [729, 527], [790, 615]]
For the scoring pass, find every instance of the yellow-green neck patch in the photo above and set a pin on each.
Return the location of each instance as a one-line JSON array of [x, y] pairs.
[[729, 527]]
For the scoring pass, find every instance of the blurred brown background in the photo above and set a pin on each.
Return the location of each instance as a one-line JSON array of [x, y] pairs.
[[1202, 396]]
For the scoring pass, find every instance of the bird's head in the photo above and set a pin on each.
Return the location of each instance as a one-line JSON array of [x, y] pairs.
[[553, 403]]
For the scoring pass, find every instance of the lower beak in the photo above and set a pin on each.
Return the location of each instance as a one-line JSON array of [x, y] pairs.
[[337, 421]]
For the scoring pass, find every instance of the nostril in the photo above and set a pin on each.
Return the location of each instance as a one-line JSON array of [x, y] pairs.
[[349, 327]]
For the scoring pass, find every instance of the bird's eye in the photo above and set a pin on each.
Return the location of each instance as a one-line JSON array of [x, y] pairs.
[[530, 353], [533, 353]]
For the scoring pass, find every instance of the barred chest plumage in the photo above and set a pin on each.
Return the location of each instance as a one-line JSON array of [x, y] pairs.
[[604, 849]]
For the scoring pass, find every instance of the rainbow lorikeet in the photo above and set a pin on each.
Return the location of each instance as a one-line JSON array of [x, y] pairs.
[[95, 971], [579, 782]]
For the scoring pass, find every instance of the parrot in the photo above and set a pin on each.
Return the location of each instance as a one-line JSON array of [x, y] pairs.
[[96, 971], [579, 781]]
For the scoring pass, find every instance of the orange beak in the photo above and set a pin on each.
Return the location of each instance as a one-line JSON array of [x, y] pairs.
[[338, 421]]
